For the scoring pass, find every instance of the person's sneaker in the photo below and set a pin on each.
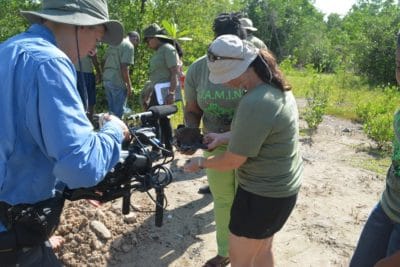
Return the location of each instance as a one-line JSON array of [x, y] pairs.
[[204, 190]]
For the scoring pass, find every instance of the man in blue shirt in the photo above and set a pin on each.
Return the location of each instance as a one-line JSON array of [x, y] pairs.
[[45, 135]]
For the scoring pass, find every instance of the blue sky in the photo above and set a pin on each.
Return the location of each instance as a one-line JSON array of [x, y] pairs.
[[340, 7]]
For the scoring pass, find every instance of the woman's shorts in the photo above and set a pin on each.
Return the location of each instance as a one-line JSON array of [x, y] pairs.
[[258, 217]]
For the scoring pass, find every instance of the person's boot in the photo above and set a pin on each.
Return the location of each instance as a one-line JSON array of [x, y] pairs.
[[204, 190]]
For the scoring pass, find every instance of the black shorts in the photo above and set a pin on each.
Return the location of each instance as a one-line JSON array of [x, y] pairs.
[[258, 217]]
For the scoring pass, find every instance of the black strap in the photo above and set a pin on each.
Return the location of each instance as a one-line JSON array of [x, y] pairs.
[[4, 219], [8, 241]]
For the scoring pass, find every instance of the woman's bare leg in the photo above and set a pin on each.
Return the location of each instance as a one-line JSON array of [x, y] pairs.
[[265, 256], [248, 252]]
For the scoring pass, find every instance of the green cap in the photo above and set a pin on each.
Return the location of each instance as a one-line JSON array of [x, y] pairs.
[[153, 30]]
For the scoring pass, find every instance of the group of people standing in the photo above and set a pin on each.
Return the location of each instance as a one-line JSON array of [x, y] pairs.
[[236, 91], [165, 69]]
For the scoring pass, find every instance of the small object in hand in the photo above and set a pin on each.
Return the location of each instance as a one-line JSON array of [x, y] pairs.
[[188, 139]]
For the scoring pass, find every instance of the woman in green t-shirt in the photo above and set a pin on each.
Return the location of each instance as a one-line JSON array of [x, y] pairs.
[[262, 146], [163, 72]]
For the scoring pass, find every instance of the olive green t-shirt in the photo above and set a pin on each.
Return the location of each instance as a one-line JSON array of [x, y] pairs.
[[87, 65], [217, 102], [265, 130], [257, 42], [164, 58], [390, 200], [115, 56]]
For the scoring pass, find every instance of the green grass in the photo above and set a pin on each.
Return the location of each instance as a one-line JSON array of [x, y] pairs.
[[346, 92], [378, 165], [350, 97]]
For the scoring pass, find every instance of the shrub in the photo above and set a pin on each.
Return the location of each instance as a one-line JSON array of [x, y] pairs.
[[317, 100]]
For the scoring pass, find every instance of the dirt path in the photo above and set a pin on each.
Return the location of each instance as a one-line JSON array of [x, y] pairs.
[[333, 204]]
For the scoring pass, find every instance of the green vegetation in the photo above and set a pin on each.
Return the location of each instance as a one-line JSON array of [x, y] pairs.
[[377, 165], [348, 97], [343, 66], [317, 99]]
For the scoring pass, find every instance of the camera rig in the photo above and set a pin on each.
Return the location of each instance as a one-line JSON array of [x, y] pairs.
[[141, 166]]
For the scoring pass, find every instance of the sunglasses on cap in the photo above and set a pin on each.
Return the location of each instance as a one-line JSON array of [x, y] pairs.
[[213, 57]]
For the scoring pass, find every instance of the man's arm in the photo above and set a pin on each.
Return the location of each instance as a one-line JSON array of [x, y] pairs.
[[126, 78]]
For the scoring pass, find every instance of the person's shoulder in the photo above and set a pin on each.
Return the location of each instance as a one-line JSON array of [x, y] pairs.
[[38, 49], [257, 42], [167, 47], [266, 93], [125, 44], [199, 63]]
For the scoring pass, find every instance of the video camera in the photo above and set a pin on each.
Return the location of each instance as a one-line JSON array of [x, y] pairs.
[[137, 169]]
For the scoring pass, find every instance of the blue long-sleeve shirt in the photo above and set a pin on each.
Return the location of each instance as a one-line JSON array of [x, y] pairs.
[[45, 135]]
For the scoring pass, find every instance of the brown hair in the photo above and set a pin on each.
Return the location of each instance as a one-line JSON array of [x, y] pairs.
[[267, 69]]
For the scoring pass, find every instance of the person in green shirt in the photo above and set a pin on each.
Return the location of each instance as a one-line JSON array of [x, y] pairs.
[[247, 24], [214, 106], [380, 236], [262, 145], [163, 72], [87, 80], [116, 78]]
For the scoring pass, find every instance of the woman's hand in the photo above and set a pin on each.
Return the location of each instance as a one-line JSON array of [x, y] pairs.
[[194, 164], [212, 140], [170, 99]]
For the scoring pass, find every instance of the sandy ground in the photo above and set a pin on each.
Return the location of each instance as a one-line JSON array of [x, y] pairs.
[[333, 204]]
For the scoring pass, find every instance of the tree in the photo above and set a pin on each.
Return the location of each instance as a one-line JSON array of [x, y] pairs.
[[371, 28], [10, 20]]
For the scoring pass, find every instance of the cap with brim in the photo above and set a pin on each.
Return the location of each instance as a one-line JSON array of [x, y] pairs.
[[153, 30], [224, 70], [79, 13], [247, 24]]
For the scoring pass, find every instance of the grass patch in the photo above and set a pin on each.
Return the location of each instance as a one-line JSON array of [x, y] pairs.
[[376, 165], [350, 97]]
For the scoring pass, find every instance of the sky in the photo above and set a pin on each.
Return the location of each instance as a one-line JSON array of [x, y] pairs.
[[340, 7]]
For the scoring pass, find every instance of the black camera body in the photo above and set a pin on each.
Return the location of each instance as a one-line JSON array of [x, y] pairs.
[[141, 167]]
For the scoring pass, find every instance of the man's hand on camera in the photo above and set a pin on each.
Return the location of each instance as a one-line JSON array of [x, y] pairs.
[[109, 117]]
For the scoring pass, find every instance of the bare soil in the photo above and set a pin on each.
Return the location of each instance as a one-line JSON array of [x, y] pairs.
[[333, 204]]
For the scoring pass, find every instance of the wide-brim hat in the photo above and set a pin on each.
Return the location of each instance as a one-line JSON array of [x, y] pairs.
[[80, 13], [247, 24], [154, 30], [229, 57]]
